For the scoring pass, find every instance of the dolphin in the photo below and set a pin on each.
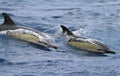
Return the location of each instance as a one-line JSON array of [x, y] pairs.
[[10, 29], [86, 44]]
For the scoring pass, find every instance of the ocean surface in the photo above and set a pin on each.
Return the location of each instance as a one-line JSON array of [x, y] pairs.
[[95, 19]]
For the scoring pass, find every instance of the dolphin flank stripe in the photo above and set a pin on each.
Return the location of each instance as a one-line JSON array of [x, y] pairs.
[[22, 36], [85, 45], [26, 37]]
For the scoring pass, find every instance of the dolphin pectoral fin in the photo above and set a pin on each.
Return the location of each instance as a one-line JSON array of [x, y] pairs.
[[66, 30], [7, 20]]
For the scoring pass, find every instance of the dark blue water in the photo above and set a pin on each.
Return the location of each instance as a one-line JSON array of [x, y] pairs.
[[97, 19]]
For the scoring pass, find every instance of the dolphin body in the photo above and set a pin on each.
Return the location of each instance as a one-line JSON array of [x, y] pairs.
[[9, 28], [84, 43]]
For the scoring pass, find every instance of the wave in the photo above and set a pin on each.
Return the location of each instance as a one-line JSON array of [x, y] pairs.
[[4, 62], [108, 3]]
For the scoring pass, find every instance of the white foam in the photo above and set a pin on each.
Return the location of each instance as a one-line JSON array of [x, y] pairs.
[[80, 31], [3, 32]]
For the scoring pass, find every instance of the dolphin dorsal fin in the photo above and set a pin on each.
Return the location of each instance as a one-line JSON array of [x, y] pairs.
[[7, 19], [66, 30]]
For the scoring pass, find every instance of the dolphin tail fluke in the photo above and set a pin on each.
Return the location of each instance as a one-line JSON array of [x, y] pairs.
[[66, 30], [7, 19], [112, 52]]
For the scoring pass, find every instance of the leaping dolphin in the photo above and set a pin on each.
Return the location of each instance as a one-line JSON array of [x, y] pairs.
[[9, 28], [85, 43]]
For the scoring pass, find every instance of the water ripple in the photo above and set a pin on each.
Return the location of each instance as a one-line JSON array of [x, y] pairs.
[[5, 62]]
